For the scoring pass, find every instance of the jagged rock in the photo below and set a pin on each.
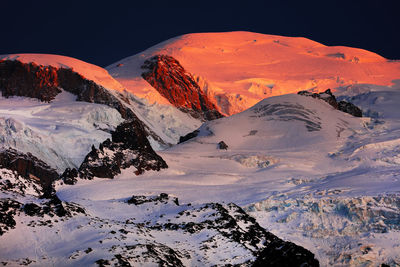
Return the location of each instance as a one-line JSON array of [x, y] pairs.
[[70, 176], [32, 209], [10, 181], [350, 108], [8, 209], [29, 167], [222, 145], [277, 253], [188, 136], [162, 198], [20, 79], [179, 87], [328, 97], [129, 147]]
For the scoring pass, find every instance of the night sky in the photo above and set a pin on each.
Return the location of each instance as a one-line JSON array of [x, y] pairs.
[[104, 33]]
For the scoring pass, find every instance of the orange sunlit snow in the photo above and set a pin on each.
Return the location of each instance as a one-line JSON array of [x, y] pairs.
[[238, 69]]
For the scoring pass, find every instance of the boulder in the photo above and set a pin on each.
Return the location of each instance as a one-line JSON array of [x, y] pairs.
[[222, 145]]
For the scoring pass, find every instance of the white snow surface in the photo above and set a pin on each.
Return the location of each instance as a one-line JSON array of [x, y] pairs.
[[239, 69], [309, 173], [60, 132]]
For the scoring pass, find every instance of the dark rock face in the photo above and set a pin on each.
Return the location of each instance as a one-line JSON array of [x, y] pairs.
[[222, 145], [162, 198], [29, 167], [277, 253], [69, 176], [129, 147], [350, 108], [328, 97], [173, 82], [31, 80], [188, 136], [8, 209]]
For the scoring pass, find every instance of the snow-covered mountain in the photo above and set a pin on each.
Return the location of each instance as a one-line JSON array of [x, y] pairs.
[[236, 70], [44, 77], [306, 171], [317, 169], [62, 114]]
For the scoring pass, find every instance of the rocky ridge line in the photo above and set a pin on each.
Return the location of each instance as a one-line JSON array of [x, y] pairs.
[[329, 98]]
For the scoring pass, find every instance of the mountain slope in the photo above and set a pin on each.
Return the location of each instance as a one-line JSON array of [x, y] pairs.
[[310, 173], [62, 126], [60, 132], [45, 76], [238, 69]]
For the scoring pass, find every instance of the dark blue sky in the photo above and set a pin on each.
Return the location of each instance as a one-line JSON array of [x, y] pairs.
[[104, 33]]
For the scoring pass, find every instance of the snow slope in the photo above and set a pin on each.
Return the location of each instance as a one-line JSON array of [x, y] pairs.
[[238, 69], [309, 173], [60, 133]]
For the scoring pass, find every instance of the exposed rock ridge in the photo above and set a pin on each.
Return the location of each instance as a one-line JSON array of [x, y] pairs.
[[129, 147], [233, 224], [29, 167], [46, 82], [179, 87], [328, 97], [26, 186]]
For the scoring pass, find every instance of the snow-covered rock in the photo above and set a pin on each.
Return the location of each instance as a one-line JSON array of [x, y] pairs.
[[146, 230], [129, 147]]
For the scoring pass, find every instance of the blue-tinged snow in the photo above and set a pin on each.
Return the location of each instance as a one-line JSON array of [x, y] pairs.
[[309, 173], [60, 132]]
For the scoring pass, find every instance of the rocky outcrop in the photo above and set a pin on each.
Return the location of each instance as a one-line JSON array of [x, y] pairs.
[[222, 145], [281, 253], [328, 97], [163, 198], [179, 87], [8, 210], [31, 80], [24, 195], [189, 136], [29, 167], [230, 226], [46, 82], [350, 108], [128, 147]]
